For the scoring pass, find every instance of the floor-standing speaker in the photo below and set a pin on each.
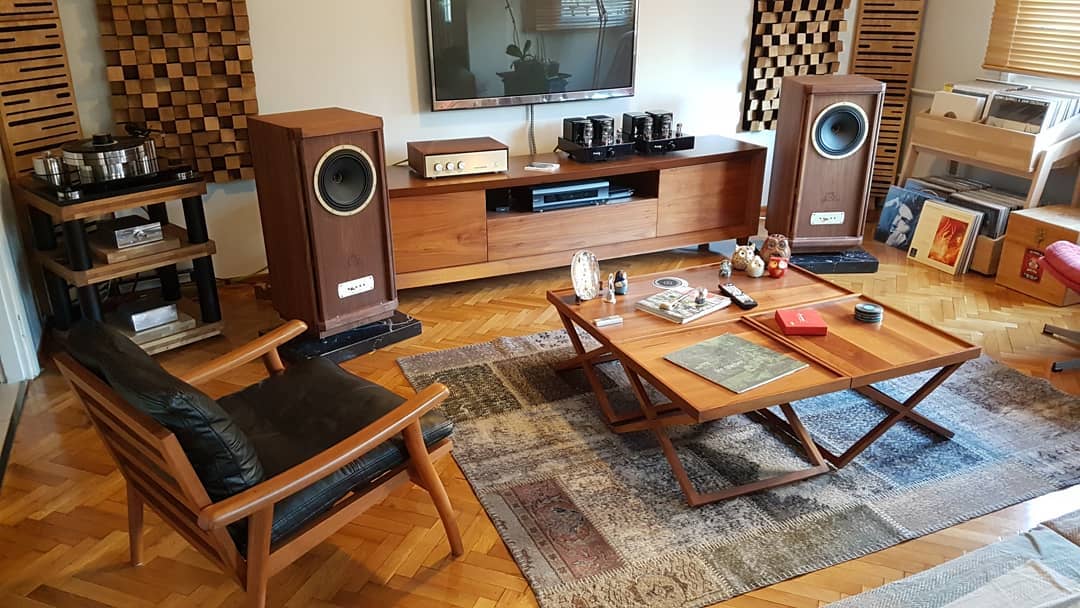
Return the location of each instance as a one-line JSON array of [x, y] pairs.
[[826, 138], [323, 201]]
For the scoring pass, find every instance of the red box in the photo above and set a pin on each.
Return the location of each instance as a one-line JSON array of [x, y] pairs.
[[801, 322]]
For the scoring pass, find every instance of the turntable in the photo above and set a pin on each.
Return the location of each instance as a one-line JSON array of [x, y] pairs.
[[105, 165]]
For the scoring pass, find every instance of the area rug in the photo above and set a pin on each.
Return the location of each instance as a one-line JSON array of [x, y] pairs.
[[1037, 569], [596, 519]]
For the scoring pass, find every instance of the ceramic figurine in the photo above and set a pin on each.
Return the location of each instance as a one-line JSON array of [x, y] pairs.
[[609, 295], [742, 256], [755, 268], [776, 245], [725, 269], [702, 294], [777, 266], [622, 283]]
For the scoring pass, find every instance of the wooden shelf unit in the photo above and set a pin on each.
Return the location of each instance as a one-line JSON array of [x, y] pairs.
[[443, 230], [1026, 155], [67, 261]]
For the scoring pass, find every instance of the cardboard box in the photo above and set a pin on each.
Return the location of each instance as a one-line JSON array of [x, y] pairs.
[[1030, 232], [987, 255]]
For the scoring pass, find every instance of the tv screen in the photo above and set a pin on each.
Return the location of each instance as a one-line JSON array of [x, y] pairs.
[[487, 53]]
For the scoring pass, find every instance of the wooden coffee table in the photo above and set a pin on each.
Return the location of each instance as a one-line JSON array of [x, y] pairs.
[[853, 355]]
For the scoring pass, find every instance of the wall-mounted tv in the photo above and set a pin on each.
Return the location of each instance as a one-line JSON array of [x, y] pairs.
[[489, 53]]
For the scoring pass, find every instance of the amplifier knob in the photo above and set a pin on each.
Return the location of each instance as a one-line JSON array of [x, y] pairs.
[[438, 167], [461, 164]]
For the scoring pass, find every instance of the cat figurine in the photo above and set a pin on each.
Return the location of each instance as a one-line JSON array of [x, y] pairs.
[[776, 245], [742, 256], [755, 268]]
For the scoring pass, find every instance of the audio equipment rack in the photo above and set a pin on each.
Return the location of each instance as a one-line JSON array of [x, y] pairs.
[[443, 231]]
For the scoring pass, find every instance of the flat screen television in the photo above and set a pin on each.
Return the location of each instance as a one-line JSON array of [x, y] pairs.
[[489, 53]]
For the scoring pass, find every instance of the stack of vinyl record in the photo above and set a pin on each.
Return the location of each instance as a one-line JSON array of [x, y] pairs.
[[869, 313]]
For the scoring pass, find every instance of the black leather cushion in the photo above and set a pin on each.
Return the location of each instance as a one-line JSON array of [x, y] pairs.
[[221, 454], [312, 406]]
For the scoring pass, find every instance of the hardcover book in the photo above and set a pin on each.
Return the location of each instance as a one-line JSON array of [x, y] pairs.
[[735, 363], [678, 306]]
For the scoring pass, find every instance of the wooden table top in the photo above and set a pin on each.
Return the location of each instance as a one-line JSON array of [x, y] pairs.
[[796, 287], [853, 353]]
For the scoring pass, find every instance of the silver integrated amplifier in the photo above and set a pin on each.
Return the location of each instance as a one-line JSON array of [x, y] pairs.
[[457, 157]]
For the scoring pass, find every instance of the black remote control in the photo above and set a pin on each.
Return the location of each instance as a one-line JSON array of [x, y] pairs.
[[738, 296]]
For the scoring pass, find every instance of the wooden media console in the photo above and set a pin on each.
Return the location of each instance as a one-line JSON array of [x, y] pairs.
[[443, 230]]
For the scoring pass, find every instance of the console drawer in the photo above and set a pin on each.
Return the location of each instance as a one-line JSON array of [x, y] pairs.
[[520, 234]]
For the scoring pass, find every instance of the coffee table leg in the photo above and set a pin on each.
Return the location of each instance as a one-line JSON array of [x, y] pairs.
[[586, 361], [901, 411], [695, 498]]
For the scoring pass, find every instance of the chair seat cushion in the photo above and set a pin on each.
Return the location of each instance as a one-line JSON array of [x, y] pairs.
[[223, 457], [312, 406], [1062, 260]]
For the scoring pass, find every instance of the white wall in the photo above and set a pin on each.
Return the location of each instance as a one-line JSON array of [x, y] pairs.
[[20, 328], [371, 55]]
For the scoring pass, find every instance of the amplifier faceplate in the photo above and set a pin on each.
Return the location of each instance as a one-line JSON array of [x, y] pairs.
[[463, 163]]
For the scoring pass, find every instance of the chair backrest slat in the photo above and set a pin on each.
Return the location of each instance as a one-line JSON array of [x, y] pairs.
[[152, 461]]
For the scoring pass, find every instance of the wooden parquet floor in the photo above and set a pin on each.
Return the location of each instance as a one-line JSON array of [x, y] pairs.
[[62, 513]]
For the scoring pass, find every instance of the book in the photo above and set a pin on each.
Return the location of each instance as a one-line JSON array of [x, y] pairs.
[[678, 306], [801, 322], [945, 237], [735, 363]]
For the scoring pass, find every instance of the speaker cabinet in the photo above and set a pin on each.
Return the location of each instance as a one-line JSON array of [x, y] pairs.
[[323, 200], [826, 138]]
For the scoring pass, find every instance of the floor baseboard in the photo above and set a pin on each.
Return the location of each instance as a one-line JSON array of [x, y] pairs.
[[12, 399]]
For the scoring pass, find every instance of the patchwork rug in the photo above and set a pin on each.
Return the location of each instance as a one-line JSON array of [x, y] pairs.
[[596, 519]]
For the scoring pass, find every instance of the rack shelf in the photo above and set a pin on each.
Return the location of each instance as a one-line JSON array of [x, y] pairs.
[[54, 262], [1006, 151]]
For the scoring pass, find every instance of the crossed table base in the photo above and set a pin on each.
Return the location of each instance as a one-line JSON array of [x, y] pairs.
[[642, 334]]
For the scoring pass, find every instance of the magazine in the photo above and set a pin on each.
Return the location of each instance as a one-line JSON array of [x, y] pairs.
[[735, 363], [677, 305]]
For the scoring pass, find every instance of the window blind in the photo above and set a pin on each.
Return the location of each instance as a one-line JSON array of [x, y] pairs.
[[1039, 37], [555, 15]]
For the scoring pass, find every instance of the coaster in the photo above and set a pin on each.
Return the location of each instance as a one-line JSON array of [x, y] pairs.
[[670, 283], [869, 313]]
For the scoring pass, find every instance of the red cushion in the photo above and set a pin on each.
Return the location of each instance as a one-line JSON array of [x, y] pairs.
[[1062, 259]]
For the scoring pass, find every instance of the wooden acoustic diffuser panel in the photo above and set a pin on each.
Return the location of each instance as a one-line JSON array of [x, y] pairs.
[[885, 45], [184, 68], [321, 180], [824, 154], [37, 101], [791, 38]]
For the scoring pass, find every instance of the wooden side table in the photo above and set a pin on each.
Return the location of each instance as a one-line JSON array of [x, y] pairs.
[[67, 261]]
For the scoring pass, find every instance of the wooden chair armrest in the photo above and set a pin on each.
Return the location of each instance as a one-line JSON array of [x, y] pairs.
[[281, 486], [265, 345]]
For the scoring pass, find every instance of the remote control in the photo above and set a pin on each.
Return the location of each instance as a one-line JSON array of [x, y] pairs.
[[737, 295]]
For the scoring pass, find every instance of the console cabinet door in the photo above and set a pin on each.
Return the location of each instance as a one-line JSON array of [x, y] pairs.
[[704, 197], [438, 230]]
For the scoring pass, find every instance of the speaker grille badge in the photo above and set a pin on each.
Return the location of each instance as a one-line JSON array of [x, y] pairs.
[[827, 218], [355, 287]]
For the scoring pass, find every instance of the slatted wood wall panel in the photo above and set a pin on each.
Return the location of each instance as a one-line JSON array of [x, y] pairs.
[[791, 38], [183, 67], [37, 100], [885, 46]]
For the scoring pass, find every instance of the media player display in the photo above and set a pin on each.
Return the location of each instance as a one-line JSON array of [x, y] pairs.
[[507, 52]]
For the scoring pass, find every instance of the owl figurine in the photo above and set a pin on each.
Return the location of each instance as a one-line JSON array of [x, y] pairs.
[[776, 245], [742, 256], [777, 266], [755, 268]]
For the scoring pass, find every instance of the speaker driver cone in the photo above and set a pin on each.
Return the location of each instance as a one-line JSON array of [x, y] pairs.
[[345, 180], [840, 130]]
